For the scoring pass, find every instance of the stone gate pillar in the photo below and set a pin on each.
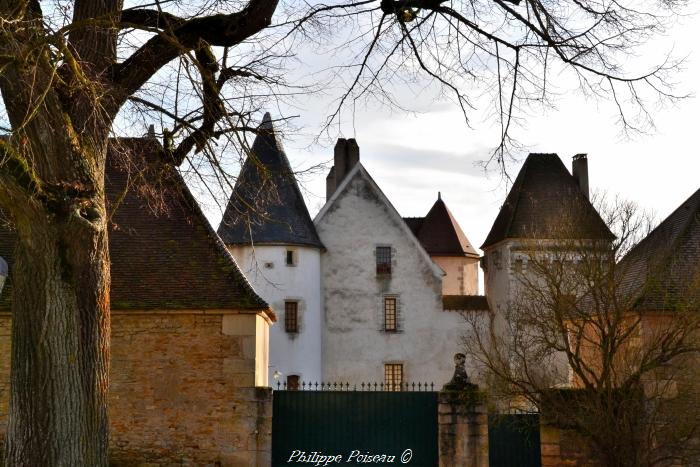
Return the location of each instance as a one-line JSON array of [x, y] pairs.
[[462, 422]]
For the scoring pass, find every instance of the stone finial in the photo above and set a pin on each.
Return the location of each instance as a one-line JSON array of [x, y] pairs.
[[460, 379]]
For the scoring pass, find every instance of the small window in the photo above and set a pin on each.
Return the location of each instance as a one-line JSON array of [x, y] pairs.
[[291, 322], [390, 314], [518, 266], [293, 382], [393, 376], [383, 255], [290, 258]]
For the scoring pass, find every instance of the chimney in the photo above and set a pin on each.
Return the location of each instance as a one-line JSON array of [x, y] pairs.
[[345, 156], [353, 155], [330, 183], [579, 169]]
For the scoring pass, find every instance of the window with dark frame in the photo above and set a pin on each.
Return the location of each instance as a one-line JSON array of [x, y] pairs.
[[291, 322], [393, 376], [390, 314], [383, 254], [293, 383], [290, 260]]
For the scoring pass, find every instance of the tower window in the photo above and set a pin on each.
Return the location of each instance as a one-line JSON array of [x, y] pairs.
[[390, 314], [291, 321], [383, 256], [290, 258]]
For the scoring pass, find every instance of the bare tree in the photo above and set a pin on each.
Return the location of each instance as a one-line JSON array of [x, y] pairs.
[[506, 50], [70, 72], [576, 345]]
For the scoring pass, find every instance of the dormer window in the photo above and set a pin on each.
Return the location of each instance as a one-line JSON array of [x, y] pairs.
[[383, 257]]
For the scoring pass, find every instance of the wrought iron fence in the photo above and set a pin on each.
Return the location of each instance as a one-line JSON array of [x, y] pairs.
[[363, 386]]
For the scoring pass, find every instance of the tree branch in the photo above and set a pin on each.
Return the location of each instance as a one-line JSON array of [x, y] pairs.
[[216, 30]]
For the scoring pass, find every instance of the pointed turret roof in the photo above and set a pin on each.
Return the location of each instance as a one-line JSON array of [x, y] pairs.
[[545, 202], [662, 272], [439, 232], [266, 206]]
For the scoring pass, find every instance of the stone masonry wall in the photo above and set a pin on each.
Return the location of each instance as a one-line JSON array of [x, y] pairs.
[[561, 447], [180, 392], [463, 432]]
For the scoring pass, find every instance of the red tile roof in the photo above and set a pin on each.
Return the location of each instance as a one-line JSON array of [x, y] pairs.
[[164, 253], [439, 232]]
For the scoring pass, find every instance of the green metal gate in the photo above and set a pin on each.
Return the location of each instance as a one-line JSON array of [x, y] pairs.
[[514, 440], [351, 427]]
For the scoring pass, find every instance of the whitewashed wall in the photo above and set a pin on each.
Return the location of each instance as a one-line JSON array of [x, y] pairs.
[[266, 269], [355, 347]]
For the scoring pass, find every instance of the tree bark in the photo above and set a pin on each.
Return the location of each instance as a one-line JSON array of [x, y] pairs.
[[60, 341]]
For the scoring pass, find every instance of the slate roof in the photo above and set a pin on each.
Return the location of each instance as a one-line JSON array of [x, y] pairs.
[[164, 254], [439, 232], [464, 302], [545, 202], [662, 272], [266, 206]]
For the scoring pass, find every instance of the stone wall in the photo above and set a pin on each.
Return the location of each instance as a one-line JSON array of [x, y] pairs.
[[565, 447], [463, 431], [181, 390]]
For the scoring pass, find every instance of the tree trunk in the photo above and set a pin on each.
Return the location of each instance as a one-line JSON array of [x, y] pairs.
[[60, 339]]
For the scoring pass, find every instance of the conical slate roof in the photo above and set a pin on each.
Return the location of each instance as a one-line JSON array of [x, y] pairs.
[[662, 272], [439, 232], [545, 202], [266, 206]]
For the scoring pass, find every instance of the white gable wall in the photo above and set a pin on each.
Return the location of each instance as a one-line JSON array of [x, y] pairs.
[[355, 347]]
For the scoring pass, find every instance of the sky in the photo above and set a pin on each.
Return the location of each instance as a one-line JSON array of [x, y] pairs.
[[414, 156]]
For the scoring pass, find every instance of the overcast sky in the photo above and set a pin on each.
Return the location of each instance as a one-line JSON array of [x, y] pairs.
[[413, 156]]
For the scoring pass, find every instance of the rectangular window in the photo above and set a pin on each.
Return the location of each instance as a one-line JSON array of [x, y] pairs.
[[293, 382], [390, 314], [393, 376], [291, 323], [290, 258], [383, 255]]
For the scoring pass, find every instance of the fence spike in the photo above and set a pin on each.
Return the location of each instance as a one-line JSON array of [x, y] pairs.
[[278, 385], [431, 387]]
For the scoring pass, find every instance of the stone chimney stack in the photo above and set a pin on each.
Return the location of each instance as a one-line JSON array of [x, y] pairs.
[[330, 183], [579, 169], [345, 156]]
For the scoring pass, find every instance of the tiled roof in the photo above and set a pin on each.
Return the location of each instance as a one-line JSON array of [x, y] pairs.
[[266, 206], [464, 302], [662, 272], [545, 202], [439, 232], [163, 252]]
